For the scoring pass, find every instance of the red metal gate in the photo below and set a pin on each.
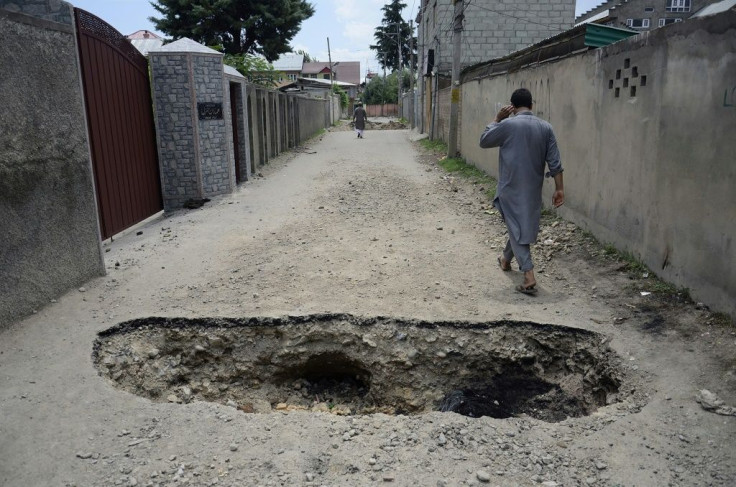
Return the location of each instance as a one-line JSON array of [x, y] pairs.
[[120, 122]]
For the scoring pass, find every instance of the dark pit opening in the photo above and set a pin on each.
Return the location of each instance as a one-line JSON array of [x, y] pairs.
[[342, 364], [508, 396], [330, 377]]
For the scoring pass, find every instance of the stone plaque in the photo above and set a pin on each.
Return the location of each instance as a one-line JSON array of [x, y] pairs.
[[210, 111]]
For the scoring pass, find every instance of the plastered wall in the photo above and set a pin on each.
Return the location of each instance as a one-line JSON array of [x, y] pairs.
[[647, 132], [50, 239]]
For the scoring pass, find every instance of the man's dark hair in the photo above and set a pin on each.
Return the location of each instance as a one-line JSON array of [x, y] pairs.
[[521, 98]]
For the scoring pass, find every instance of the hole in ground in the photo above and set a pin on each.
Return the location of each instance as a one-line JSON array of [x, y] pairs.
[[333, 378], [510, 395], [344, 364]]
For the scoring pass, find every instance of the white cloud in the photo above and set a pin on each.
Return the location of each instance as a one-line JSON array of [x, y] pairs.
[[359, 32], [359, 11], [347, 9]]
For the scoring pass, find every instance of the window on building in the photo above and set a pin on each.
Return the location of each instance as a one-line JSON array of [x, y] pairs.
[[649, 9], [678, 5], [663, 22], [292, 77], [637, 23]]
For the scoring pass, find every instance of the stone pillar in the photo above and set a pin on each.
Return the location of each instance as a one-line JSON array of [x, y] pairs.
[[192, 110], [237, 85]]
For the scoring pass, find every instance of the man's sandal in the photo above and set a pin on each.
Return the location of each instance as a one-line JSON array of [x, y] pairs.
[[505, 269], [528, 290]]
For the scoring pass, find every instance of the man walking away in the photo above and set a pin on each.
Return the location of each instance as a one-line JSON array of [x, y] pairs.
[[526, 143], [360, 118]]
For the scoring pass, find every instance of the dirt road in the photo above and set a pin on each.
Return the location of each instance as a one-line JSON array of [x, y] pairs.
[[370, 228]]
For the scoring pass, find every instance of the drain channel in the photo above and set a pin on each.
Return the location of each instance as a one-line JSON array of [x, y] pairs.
[[349, 365]]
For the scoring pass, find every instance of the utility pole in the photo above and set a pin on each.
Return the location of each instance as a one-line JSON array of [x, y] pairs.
[[398, 70], [383, 86], [457, 32], [329, 57], [411, 74]]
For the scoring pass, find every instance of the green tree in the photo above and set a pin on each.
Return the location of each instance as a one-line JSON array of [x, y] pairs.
[[307, 57], [385, 35], [255, 69], [262, 27], [381, 90], [344, 99]]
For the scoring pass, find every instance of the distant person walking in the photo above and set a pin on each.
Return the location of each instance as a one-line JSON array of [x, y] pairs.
[[360, 117], [526, 144]]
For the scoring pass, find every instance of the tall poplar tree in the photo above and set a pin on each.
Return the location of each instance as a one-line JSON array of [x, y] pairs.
[[385, 36], [262, 27]]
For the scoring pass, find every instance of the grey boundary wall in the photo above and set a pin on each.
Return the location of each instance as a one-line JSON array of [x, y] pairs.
[[236, 83], [50, 235], [645, 127], [196, 155], [51, 238], [51, 10]]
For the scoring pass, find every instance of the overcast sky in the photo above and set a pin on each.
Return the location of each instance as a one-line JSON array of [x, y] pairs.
[[348, 23]]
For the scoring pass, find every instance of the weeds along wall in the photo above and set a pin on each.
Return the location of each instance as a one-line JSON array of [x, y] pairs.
[[645, 127], [50, 236]]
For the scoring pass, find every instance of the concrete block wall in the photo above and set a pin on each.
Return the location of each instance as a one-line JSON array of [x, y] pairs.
[[239, 85], [48, 211], [491, 29], [645, 130], [312, 116], [283, 121]]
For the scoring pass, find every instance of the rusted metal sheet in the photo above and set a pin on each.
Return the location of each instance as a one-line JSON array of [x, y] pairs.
[[120, 123]]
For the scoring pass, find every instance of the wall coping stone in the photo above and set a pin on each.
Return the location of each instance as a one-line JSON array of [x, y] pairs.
[[35, 21], [185, 46]]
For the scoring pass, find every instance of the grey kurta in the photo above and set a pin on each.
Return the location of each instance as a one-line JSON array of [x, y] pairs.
[[360, 117], [526, 143]]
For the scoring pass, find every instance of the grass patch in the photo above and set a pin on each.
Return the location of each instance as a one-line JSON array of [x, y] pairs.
[[633, 265], [721, 319], [457, 166], [435, 145], [645, 279], [610, 250]]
